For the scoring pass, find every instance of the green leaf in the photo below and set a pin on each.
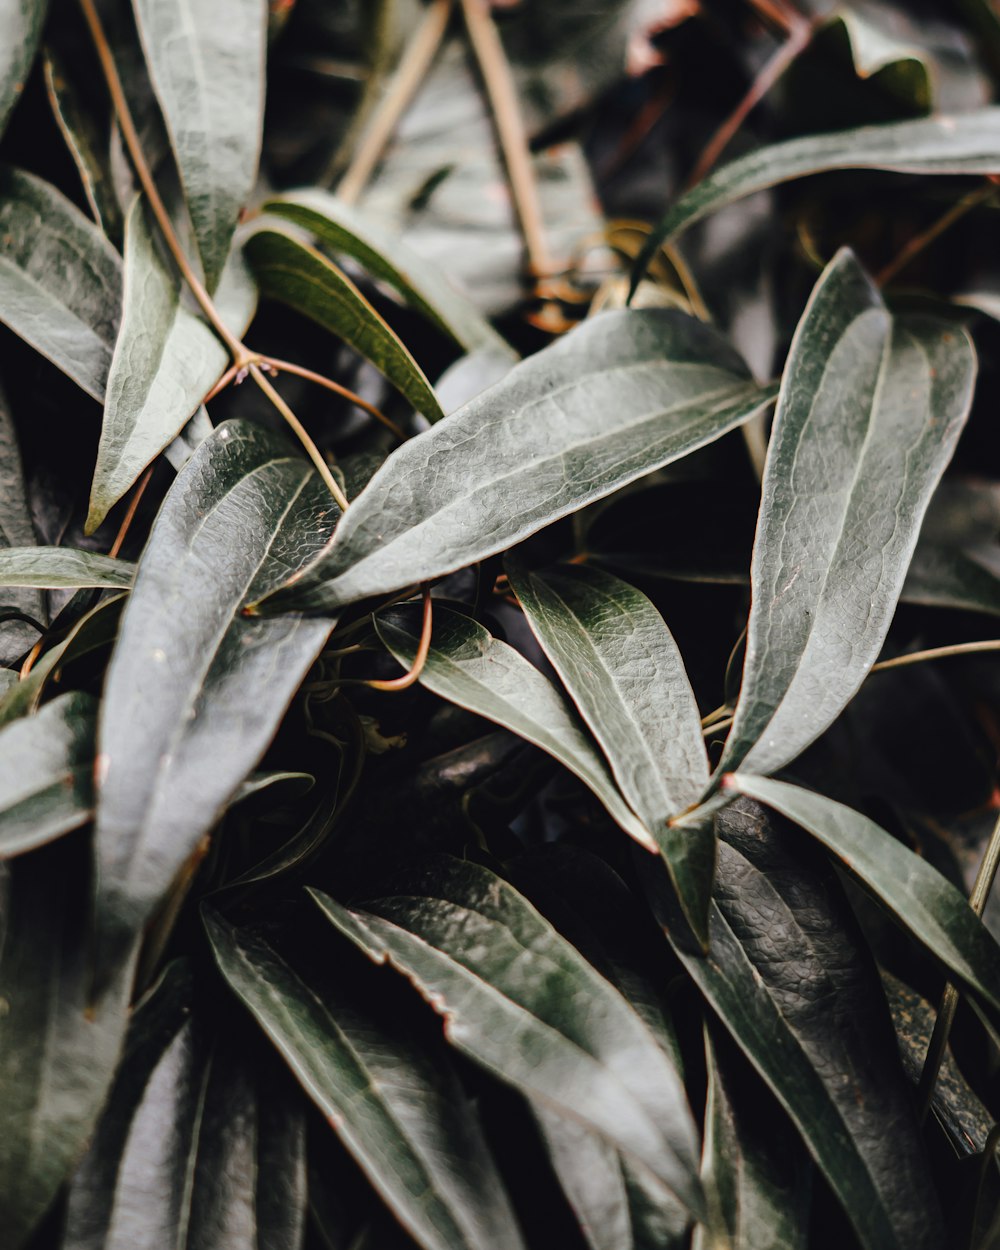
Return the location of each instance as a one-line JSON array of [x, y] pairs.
[[966, 143], [21, 22], [402, 1117], [46, 773], [296, 274], [622, 669], [916, 895], [57, 1052], [60, 279], [195, 689], [467, 666], [869, 413], [616, 398], [947, 577], [498, 973], [63, 567], [790, 978], [905, 71], [207, 66], [421, 284], [166, 361], [16, 530]]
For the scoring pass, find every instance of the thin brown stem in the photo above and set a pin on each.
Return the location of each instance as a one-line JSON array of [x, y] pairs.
[[222, 383], [412, 70], [123, 529], [708, 730], [938, 653], [286, 366], [778, 13], [420, 659], [926, 237]]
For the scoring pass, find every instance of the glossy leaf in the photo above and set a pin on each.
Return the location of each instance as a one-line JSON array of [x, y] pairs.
[[347, 230], [195, 689], [917, 896], [622, 669], [57, 1051], [869, 414], [296, 274], [616, 398], [21, 22], [467, 666], [46, 774], [60, 279], [63, 567], [402, 1117], [207, 66], [487, 962], [966, 143], [16, 530], [166, 361], [788, 976]]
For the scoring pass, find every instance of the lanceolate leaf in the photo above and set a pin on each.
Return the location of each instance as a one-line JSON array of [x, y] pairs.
[[917, 896], [63, 567], [46, 773], [60, 279], [868, 416], [297, 275], [16, 530], [402, 1117], [207, 66], [495, 970], [948, 577], [471, 668], [967, 143], [620, 396], [195, 689], [166, 360], [420, 283], [622, 669], [21, 22]]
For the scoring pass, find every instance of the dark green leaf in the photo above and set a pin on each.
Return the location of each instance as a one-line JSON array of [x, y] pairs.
[[421, 284], [403, 1118], [196, 689], [46, 773], [618, 397], [868, 416], [621, 667], [207, 66], [296, 274], [21, 22], [946, 577], [471, 668], [166, 360], [918, 897], [60, 279], [63, 567], [16, 530], [497, 972]]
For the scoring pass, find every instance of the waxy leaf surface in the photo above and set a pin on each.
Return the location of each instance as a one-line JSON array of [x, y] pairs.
[[16, 530], [52, 568], [21, 22]]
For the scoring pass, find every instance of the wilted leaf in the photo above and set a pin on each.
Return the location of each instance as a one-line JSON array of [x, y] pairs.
[[21, 22], [63, 567]]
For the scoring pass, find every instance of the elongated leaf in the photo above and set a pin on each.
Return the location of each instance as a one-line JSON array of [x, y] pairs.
[[402, 1117], [46, 773], [57, 1054], [948, 577], [207, 66], [21, 22], [59, 567], [623, 671], [298, 275], [868, 417], [166, 360], [967, 143], [195, 689], [918, 896], [791, 980], [421, 284], [16, 530], [60, 279], [618, 397], [471, 668], [485, 959]]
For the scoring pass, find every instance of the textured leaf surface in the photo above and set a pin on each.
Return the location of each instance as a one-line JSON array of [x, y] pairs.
[[16, 530], [421, 284], [618, 397], [63, 567], [207, 66], [298, 275], [868, 416], [520, 1000], [166, 360], [475, 670], [21, 22], [195, 689], [46, 773], [401, 1116], [60, 279], [916, 894]]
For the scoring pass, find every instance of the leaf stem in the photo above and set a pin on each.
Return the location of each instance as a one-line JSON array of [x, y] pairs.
[[920, 241], [423, 650], [123, 529], [285, 366], [938, 653]]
